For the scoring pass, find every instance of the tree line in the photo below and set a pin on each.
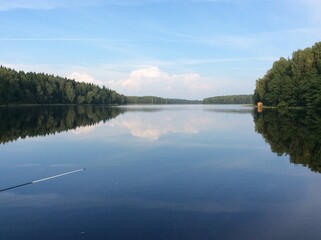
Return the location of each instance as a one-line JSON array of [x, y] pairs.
[[229, 99], [32, 121], [158, 100], [39, 88], [292, 82]]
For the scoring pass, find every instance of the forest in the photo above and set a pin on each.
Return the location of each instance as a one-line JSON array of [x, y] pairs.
[[32, 121], [229, 99], [158, 100], [292, 82], [39, 88], [292, 132]]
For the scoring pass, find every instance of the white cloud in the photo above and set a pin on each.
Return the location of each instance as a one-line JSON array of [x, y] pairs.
[[153, 81], [140, 77], [83, 77]]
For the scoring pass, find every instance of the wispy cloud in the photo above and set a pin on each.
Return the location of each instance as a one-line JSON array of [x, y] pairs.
[[76, 39], [53, 4], [245, 40], [6, 5], [45, 4]]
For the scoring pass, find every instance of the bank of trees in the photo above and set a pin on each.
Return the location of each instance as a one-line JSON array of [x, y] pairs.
[[158, 100], [292, 82], [229, 99], [39, 88]]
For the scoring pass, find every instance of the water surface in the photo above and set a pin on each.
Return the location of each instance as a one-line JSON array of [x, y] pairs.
[[160, 172]]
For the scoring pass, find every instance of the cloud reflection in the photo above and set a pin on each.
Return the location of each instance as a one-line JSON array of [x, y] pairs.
[[84, 130], [160, 123]]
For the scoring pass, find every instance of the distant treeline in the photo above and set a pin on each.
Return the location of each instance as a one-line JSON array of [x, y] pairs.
[[292, 132], [159, 100], [22, 122], [229, 99], [39, 88], [292, 82]]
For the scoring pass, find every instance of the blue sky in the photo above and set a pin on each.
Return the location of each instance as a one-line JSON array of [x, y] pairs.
[[181, 48]]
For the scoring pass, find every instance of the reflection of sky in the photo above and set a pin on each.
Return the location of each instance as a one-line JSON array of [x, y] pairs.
[[83, 130], [203, 174], [154, 125], [153, 122]]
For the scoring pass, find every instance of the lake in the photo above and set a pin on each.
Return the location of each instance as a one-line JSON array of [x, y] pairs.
[[160, 172]]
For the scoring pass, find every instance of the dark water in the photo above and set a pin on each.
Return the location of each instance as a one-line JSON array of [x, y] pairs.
[[165, 172]]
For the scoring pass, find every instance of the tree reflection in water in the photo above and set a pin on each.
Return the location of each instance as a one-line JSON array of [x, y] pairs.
[[22, 122], [296, 133]]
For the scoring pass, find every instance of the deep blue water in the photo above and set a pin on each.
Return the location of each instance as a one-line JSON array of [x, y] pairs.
[[164, 172]]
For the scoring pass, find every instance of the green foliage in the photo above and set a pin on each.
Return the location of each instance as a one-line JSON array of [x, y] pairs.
[[292, 132], [292, 82], [159, 100], [38, 88], [230, 99], [22, 122]]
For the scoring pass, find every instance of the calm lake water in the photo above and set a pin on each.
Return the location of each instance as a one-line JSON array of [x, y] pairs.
[[160, 172]]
